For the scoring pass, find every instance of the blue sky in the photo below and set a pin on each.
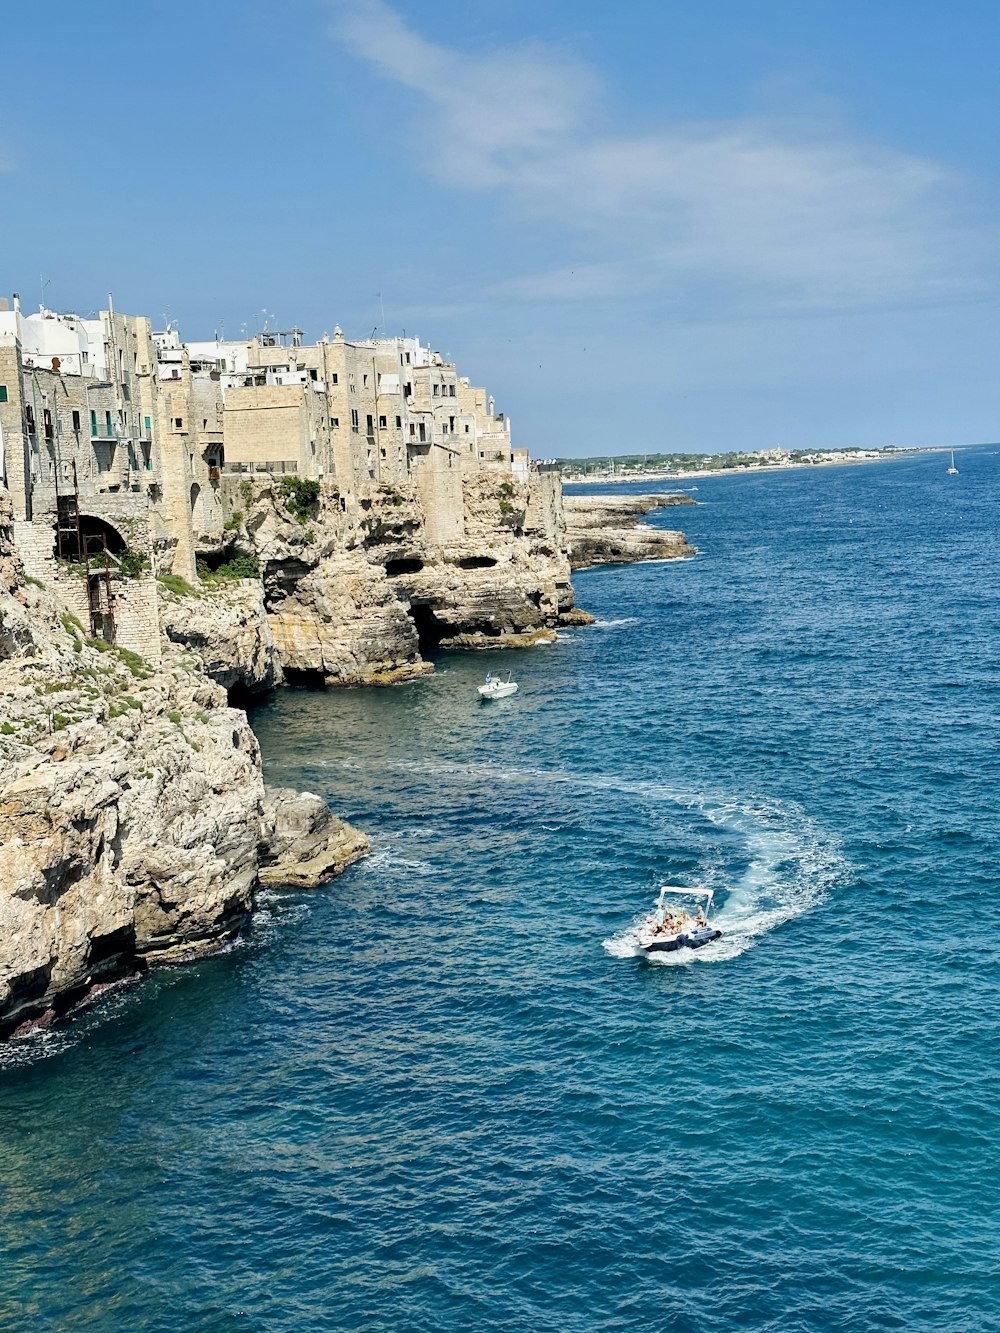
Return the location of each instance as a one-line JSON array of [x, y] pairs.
[[643, 226]]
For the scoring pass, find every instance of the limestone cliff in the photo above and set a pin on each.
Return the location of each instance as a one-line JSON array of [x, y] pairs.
[[225, 623], [132, 809], [355, 586], [608, 529]]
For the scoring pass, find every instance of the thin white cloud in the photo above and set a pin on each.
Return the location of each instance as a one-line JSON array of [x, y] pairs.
[[816, 219]]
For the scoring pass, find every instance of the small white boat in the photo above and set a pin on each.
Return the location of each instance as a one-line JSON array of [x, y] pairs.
[[495, 688], [671, 926], [952, 469]]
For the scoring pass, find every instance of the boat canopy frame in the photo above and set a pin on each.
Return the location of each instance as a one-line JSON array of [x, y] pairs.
[[707, 894]]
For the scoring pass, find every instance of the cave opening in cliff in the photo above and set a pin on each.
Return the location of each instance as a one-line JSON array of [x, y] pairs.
[[477, 562], [305, 678], [239, 695], [403, 566], [430, 630]]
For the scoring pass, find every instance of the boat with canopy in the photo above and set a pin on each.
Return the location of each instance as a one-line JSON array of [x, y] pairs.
[[678, 924]]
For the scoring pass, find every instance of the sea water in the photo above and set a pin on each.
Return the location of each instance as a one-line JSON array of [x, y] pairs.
[[444, 1092]]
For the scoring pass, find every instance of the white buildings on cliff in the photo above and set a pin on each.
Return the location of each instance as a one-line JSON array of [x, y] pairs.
[[118, 442]]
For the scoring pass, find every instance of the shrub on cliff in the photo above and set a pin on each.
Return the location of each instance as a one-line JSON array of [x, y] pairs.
[[301, 497], [240, 565], [132, 563]]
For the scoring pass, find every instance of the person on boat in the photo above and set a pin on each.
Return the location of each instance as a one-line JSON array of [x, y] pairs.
[[702, 918]]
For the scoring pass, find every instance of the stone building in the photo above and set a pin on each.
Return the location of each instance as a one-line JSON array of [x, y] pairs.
[[79, 456], [358, 413], [126, 451]]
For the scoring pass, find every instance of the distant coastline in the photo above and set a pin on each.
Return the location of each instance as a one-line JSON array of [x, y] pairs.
[[831, 458]]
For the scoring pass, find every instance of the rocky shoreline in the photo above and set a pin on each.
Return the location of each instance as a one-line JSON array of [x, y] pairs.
[[135, 826], [608, 529]]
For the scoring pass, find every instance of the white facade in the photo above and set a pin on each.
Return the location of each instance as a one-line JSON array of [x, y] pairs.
[[75, 344]]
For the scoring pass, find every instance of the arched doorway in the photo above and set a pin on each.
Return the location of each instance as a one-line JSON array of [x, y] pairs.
[[82, 537]]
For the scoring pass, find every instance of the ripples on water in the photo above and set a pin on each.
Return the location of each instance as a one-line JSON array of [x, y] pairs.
[[444, 1093]]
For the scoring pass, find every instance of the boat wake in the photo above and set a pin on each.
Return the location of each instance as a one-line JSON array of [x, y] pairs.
[[767, 861], [779, 865]]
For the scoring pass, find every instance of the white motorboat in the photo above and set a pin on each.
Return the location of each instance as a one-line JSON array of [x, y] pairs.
[[495, 688], [952, 469], [673, 925]]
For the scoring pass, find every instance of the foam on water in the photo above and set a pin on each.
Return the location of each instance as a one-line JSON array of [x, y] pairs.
[[792, 865], [777, 862]]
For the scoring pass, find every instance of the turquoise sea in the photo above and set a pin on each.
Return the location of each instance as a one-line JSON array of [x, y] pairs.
[[444, 1093]]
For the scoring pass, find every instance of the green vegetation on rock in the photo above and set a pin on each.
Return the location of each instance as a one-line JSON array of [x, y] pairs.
[[177, 585], [240, 565], [301, 497]]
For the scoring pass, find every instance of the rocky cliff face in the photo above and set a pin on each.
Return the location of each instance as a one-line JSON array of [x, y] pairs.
[[355, 587], [608, 529], [132, 809], [225, 624]]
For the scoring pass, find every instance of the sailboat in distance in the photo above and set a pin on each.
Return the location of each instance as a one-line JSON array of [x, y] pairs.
[[952, 469]]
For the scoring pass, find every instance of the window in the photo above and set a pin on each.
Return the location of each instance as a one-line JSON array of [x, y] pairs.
[[47, 420], [399, 423], [334, 378], [466, 430], [107, 421], [178, 423], [204, 423], [146, 422], [29, 417], [371, 424], [451, 391], [354, 420], [314, 374], [451, 423], [413, 430], [93, 424], [437, 390], [3, 393], [407, 358], [364, 381], [382, 423], [76, 421], [335, 423]]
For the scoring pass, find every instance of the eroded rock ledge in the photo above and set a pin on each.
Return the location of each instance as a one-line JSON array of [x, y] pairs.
[[303, 843], [608, 529]]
